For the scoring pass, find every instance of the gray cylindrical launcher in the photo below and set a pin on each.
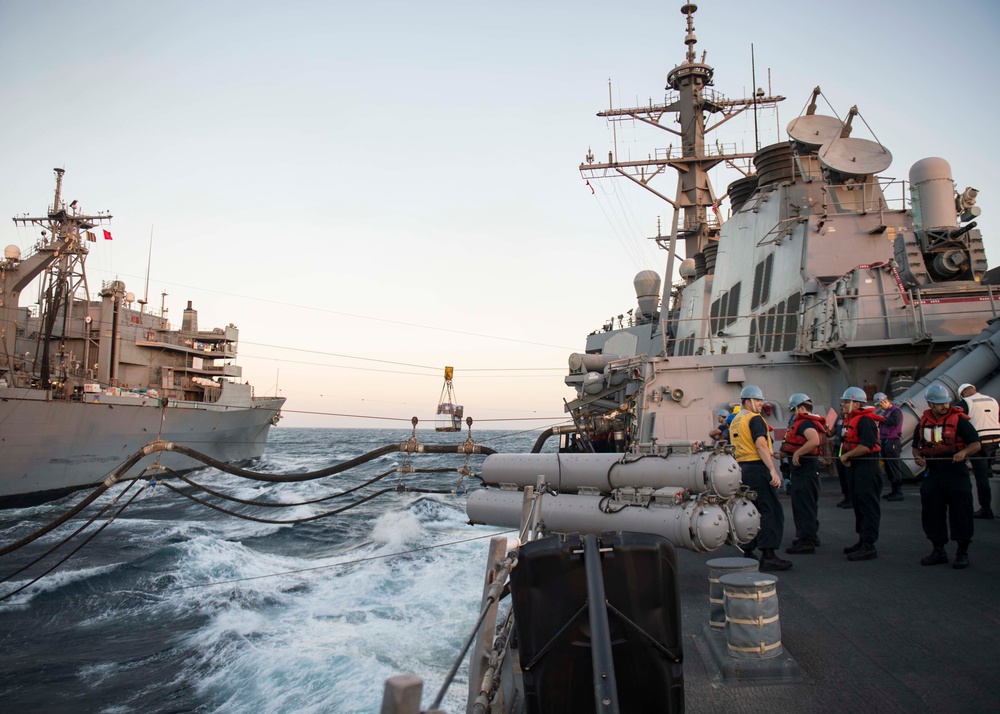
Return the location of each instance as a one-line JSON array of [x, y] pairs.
[[698, 472], [691, 524]]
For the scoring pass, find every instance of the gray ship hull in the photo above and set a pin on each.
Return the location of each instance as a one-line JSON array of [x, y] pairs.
[[51, 447]]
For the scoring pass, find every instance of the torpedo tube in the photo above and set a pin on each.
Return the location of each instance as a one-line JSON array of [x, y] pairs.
[[691, 496]]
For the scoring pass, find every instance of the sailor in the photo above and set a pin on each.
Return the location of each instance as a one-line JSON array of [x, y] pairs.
[[943, 440], [803, 442], [860, 456], [890, 433], [985, 415], [751, 437], [836, 435], [720, 432]]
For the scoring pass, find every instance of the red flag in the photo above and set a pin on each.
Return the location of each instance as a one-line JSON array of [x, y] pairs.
[[590, 187], [107, 235]]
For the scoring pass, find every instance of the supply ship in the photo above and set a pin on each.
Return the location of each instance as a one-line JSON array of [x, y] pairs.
[[85, 383]]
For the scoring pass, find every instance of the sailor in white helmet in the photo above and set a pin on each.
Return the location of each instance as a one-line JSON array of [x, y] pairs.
[[984, 413]]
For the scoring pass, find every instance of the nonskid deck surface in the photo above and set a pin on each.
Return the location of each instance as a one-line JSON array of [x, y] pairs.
[[885, 635]]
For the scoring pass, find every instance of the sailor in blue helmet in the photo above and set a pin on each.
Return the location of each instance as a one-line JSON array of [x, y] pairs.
[[943, 440], [859, 453], [802, 444], [721, 431], [890, 433], [751, 437]]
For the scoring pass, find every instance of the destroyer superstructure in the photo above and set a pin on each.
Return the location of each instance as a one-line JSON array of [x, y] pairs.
[[823, 276], [85, 383]]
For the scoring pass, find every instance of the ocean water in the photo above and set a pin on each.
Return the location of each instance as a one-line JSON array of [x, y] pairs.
[[175, 607]]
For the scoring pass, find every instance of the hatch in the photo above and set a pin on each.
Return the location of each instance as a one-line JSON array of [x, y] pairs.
[[449, 414]]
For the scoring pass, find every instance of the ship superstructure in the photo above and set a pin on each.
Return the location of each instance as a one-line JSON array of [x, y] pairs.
[[84, 383], [824, 275]]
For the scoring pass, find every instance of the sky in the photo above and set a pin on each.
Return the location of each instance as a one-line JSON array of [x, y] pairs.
[[373, 191]]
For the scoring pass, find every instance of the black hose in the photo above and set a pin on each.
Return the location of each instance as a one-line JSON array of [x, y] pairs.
[[540, 441], [108, 483], [329, 471]]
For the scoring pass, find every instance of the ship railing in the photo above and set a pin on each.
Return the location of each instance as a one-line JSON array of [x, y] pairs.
[[714, 149], [693, 225], [864, 197]]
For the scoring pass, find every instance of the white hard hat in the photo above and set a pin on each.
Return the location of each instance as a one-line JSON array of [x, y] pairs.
[[965, 386]]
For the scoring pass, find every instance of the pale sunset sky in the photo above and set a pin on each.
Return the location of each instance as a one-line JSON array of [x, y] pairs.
[[371, 191]]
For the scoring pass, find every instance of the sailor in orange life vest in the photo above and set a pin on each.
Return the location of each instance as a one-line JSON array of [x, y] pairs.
[[984, 413], [859, 454], [802, 442], [751, 437], [943, 440]]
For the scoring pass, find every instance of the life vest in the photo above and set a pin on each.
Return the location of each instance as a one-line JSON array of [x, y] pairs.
[[984, 412], [793, 440], [939, 435], [739, 437], [851, 421], [896, 430]]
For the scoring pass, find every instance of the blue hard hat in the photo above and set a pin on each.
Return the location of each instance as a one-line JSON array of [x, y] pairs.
[[854, 394], [937, 394], [879, 396], [798, 399], [722, 413], [751, 391]]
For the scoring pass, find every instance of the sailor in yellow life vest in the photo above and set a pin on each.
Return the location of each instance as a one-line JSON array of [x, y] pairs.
[[751, 437]]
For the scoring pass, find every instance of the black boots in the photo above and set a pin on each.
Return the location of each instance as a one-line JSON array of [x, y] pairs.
[[846, 503], [853, 548], [984, 512], [770, 561], [864, 551], [801, 547], [961, 556], [896, 494], [939, 557]]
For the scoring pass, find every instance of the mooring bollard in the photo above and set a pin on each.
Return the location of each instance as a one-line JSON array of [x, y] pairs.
[[718, 567], [753, 630]]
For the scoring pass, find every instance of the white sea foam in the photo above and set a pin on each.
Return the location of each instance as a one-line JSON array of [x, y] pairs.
[[330, 645], [50, 583], [259, 617]]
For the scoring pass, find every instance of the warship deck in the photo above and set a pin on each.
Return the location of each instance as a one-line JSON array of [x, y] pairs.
[[885, 635]]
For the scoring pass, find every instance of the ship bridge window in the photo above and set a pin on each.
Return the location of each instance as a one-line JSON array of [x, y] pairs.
[[762, 282], [777, 329], [792, 320], [724, 310], [734, 304]]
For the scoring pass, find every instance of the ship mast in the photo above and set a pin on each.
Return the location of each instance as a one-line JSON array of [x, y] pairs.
[[61, 253], [691, 100]]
